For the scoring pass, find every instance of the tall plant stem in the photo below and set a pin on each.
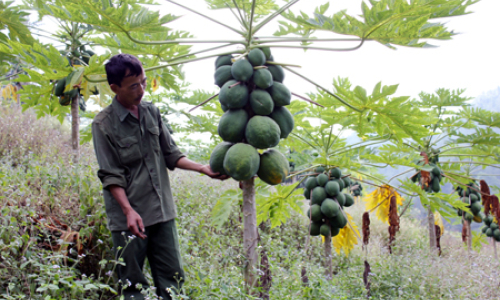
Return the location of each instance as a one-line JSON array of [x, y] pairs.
[[369, 142], [236, 16], [204, 102], [383, 182], [328, 257], [75, 129], [308, 100], [200, 51], [250, 24], [411, 146], [264, 40], [319, 48], [457, 147], [245, 24], [409, 170], [302, 139], [182, 41], [432, 229], [457, 155], [169, 64], [274, 15], [207, 17], [250, 236], [406, 206], [326, 90]]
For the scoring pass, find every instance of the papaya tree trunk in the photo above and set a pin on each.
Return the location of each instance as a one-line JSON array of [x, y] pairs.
[[250, 237], [494, 247], [75, 129], [432, 230], [469, 236], [328, 257]]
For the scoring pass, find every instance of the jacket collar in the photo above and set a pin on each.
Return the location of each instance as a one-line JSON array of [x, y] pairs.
[[119, 109]]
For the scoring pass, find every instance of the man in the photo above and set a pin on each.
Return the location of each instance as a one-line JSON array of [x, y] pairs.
[[134, 150]]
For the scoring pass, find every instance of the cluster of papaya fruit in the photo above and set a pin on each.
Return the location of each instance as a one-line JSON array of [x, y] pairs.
[[327, 201], [491, 228], [471, 196], [65, 97], [77, 56], [356, 188], [253, 98], [435, 178]]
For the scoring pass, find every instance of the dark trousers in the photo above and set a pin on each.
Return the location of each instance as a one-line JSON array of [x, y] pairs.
[[161, 247]]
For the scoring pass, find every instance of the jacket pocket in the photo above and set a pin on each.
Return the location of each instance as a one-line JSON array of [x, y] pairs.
[[155, 137], [129, 150]]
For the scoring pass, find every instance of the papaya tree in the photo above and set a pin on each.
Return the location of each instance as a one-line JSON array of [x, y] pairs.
[[74, 74], [13, 21]]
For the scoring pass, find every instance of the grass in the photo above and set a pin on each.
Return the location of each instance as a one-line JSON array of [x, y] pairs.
[[39, 259]]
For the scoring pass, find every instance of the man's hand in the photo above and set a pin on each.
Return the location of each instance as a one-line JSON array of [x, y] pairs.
[[187, 164], [205, 169], [135, 225]]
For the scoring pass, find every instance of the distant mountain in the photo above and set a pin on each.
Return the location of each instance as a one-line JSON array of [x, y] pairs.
[[489, 100]]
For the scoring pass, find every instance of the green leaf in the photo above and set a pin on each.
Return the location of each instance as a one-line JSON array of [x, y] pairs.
[[224, 207], [389, 22], [278, 205]]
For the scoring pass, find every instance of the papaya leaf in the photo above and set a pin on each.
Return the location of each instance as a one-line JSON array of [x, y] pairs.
[[478, 239], [224, 207], [262, 7], [389, 22], [13, 20], [277, 205]]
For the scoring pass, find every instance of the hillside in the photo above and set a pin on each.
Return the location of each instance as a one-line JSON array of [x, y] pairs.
[[54, 243]]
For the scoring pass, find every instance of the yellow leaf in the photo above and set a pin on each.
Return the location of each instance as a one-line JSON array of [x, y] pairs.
[[439, 221], [155, 84], [347, 238], [379, 200], [9, 92]]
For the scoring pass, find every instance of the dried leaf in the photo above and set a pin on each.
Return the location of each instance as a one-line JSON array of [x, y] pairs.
[[366, 228], [347, 238], [393, 221], [438, 221], [495, 207], [485, 196], [379, 200], [465, 229], [266, 278], [425, 179], [438, 238], [303, 276], [366, 278], [155, 84]]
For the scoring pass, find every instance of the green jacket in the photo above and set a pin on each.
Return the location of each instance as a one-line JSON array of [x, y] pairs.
[[135, 154]]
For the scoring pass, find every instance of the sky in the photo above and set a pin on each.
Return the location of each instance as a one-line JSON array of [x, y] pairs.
[[468, 61]]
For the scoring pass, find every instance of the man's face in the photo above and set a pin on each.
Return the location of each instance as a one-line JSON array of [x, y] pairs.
[[131, 90]]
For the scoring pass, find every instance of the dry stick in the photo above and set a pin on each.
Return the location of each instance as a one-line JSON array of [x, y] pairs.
[[308, 100], [203, 103]]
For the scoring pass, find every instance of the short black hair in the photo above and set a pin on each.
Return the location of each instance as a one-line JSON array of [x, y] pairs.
[[118, 65]]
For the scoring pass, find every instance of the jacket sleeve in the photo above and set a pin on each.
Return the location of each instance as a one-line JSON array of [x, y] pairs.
[[110, 170], [171, 152]]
